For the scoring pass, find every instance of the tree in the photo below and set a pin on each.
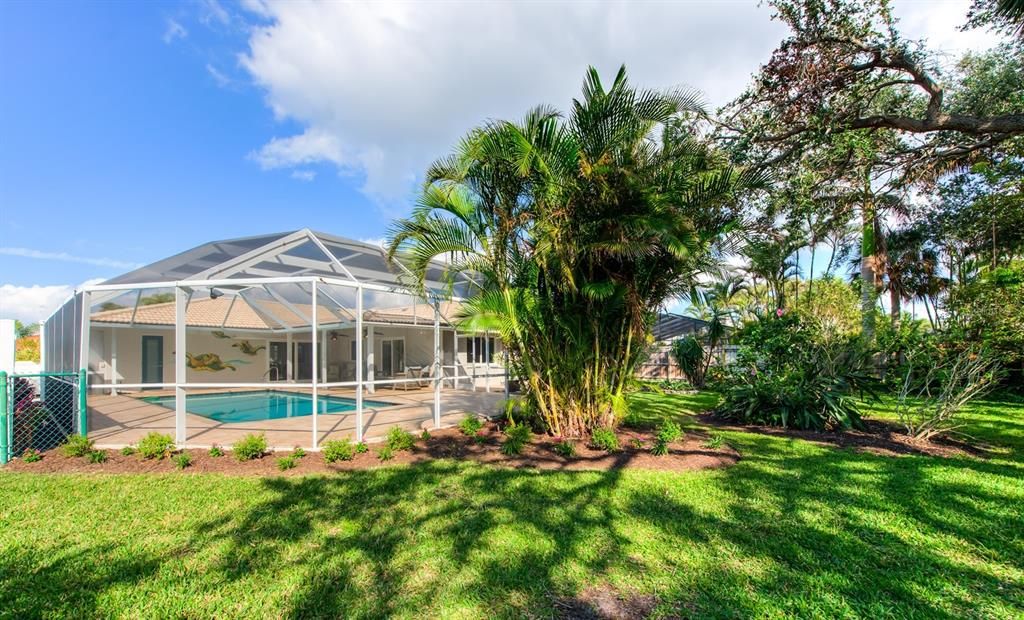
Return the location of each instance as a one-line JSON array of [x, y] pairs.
[[23, 330], [574, 230]]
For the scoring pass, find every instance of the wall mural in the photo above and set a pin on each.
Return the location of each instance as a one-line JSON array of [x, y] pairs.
[[211, 362]]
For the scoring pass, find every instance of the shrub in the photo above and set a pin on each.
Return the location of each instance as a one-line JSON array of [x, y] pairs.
[[338, 450], [97, 456], [516, 437], [566, 449], [667, 433], [400, 439], [793, 373], [362, 448], [689, 355], [127, 451], [216, 451], [252, 446], [470, 425], [298, 452], [425, 435], [659, 448], [156, 446], [715, 441], [31, 456], [929, 404], [604, 439], [76, 445], [385, 453], [287, 462], [183, 460], [637, 444]]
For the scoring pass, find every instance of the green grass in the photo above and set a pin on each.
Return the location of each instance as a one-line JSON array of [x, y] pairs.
[[794, 530]]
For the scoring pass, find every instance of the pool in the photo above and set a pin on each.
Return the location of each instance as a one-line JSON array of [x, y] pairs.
[[262, 405]]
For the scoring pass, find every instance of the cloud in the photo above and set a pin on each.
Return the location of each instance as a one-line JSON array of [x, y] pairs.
[[380, 90], [221, 79], [30, 304], [303, 175], [211, 11], [64, 256], [174, 31]]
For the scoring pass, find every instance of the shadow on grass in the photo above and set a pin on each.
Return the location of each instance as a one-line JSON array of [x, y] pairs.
[[794, 529]]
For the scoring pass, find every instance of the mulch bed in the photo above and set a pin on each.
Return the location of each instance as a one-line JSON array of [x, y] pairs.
[[877, 437], [688, 454]]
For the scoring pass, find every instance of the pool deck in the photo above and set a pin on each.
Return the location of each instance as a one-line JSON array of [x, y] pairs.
[[119, 420]]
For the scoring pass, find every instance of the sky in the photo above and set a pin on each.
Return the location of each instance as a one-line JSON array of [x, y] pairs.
[[133, 131]]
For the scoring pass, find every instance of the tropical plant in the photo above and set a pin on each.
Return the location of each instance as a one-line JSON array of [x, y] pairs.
[[252, 446], [470, 425], [287, 462], [216, 451], [156, 445], [689, 356], [76, 445], [929, 402], [605, 439], [517, 435], [565, 449], [400, 439], [338, 450], [31, 456], [182, 460], [564, 234], [97, 456]]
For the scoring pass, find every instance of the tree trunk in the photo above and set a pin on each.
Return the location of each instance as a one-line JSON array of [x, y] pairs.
[[868, 259], [894, 306]]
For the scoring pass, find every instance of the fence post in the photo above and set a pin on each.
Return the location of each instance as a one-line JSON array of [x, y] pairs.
[[83, 428], [4, 448]]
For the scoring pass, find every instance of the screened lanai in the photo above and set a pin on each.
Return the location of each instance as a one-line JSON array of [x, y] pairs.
[[302, 336]]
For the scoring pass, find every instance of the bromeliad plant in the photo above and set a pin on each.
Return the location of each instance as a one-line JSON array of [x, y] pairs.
[[565, 233]]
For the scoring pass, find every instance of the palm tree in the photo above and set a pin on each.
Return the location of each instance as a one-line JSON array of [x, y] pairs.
[[770, 258], [573, 231], [23, 330]]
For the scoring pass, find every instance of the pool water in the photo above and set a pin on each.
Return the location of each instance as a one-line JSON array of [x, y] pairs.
[[261, 405]]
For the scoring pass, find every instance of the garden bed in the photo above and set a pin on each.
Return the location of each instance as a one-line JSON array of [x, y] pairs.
[[877, 437], [691, 452]]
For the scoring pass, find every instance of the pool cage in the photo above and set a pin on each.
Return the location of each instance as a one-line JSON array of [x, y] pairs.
[[301, 336]]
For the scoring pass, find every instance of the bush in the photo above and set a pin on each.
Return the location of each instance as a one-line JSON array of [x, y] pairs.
[[689, 355], [400, 439], [287, 462], [216, 451], [31, 456], [605, 439], [362, 448], [127, 451], [667, 433], [792, 373], [928, 402], [76, 445], [97, 456], [183, 460], [565, 449], [385, 453], [298, 452], [470, 425], [156, 446], [425, 435], [516, 437], [637, 444], [252, 446], [337, 450], [659, 448]]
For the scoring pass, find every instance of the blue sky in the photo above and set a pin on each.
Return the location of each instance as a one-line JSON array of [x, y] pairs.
[[132, 131]]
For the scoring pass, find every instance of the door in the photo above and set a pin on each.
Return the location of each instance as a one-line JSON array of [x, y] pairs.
[[152, 359], [278, 361], [392, 356], [304, 360]]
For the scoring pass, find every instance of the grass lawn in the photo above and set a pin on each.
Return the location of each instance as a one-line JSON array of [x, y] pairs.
[[795, 529]]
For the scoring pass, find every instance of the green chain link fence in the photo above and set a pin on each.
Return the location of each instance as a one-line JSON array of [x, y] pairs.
[[39, 411]]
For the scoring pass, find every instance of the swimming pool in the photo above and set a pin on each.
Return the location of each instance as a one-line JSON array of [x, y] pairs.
[[262, 405]]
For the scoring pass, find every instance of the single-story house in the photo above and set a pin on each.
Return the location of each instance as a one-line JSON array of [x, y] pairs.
[[301, 335]]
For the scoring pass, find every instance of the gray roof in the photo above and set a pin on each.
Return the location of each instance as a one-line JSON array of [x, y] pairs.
[[670, 326]]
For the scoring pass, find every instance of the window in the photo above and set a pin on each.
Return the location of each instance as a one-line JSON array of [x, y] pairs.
[[352, 355], [477, 349]]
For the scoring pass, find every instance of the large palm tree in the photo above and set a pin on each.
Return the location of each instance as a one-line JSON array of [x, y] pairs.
[[574, 229]]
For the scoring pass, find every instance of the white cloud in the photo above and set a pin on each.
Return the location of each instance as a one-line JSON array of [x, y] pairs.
[[211, 11], [219, 77], [382, 89], [303, 175], [174, 31], [29, 304], [70, 258]]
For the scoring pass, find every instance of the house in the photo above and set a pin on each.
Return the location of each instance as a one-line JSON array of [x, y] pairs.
[[303, 336], [668, 327]]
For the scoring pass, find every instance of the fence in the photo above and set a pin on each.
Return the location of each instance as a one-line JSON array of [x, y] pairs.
[[38, 411]]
